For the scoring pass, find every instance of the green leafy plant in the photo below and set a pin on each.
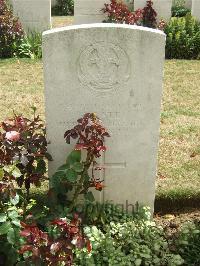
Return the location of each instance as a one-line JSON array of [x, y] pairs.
[[188, 243], [63, 8], [11, 32], [31, 46], [183, 38], [10, 216], [136, 242], [179, 9], [74, 175]]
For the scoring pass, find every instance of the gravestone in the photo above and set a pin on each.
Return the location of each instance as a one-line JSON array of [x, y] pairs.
[[88, 11], [162, 7], [35, 15], [186, 3], [115, 71], [196, 9]]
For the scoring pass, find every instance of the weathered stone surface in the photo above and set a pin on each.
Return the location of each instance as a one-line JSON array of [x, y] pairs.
[[115, 71], [162, 7], [186, 3], [88, 11], [196, 9], [35, 15]]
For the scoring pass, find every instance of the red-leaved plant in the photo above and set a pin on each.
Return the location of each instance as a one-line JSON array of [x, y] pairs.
[[75, 175], [119, 12], [149, 15], [55, 247], [23, 151], [11, 32]]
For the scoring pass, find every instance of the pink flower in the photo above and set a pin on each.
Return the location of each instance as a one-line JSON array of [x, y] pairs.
[[13, 136]]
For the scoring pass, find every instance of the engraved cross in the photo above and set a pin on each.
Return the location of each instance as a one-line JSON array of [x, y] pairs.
[[105, 166]]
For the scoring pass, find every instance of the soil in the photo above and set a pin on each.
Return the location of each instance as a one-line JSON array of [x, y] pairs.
[[172, 222]]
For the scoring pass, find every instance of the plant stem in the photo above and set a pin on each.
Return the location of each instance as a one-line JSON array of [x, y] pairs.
[[89, 160]]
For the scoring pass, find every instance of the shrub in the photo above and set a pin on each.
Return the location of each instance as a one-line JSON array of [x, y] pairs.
[[11, 32], [63, 8], [183, 38], [54, 247], [31, 46], [118, 12], [23, 150], [188, 243], [179, 10], [136, 242], [149, 15]]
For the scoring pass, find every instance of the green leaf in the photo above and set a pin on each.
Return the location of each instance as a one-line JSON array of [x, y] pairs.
[[58, 175], [78, 167], [16, 172], [15, 200], [71, 175], [63, 168], [138, 262], [48, 156], [13, 214], [41, 167], [89, 196], [1, 173], [3, 217], [16, 223], [8, 168], [75, 156], [4, 228], [11, 236], [86, 176]]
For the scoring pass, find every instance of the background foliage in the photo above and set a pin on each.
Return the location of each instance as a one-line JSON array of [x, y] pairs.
[[183, 38], [11, 32], [63, 8]]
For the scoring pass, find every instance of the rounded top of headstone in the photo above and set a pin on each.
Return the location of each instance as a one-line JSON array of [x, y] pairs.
[[104, 25]]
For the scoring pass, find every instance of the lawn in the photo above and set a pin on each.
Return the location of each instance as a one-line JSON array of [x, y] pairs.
[[21, 86]]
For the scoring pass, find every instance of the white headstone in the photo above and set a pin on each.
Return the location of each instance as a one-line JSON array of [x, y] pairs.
[[115, 71], [196, 9], [185, 3], [35, 15], [89, 11], [162, 7], [188, 3]]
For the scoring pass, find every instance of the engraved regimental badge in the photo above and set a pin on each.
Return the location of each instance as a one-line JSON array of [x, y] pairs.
[[103, 66]]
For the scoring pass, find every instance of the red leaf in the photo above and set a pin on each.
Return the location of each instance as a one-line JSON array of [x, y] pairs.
[[89, 246], [25, 248]]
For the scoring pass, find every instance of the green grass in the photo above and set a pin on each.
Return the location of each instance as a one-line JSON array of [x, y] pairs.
[[21, 86]]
